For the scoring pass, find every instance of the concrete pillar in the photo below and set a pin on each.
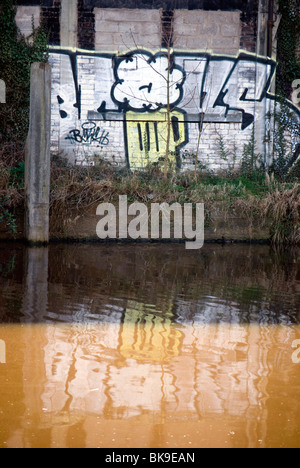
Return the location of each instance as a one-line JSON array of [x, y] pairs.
[[262, 28], [37, 159], [264, 121], [68, 23]]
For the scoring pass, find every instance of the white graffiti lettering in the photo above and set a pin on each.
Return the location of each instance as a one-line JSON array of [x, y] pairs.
[[137, 88]]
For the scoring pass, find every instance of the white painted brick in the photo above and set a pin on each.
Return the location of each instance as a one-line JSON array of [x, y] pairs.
[[106, 26], [126, 15], [24, 18]]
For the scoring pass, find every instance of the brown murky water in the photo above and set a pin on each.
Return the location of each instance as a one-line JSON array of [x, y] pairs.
[[149, 346]]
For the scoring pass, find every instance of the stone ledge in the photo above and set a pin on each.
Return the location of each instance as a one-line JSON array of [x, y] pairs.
[[224, 226]]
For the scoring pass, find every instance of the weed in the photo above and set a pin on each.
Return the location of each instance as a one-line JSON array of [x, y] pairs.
[[7, 216], [283, 207]]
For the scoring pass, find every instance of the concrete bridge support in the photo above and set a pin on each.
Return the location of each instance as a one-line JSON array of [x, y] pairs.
[[37, 160]]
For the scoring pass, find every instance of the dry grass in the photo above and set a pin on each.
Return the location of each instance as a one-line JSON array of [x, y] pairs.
[[283, 207], [75, 189], [11, 155]]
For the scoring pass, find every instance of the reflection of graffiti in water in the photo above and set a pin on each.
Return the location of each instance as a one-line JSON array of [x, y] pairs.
[[90, 133], [149, 337], [2, 352]]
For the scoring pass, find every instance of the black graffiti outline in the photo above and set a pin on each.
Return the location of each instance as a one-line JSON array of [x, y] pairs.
[[63, 114], [152, 58], [247, 119], [149, 87], [124, 107]]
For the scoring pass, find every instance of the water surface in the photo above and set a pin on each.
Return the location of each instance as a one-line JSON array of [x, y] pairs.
[[149, 346]]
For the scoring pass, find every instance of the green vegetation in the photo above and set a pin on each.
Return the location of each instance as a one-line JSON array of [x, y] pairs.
[[248, 189], [288, 40], [272, 193], [17, 55]]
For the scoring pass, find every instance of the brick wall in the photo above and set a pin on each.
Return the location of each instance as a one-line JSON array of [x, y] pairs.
[[24, 18], [207, 30], [50, 17], [249, 29], [115, 28], [120, 30], [110, 105], [86, 26], [112, 108]]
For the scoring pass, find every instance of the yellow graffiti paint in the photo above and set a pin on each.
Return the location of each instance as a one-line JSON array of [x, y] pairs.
[[149, 336], [147, 137]]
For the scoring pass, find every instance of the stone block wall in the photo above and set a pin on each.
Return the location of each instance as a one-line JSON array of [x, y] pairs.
[[26, 17], [215, 31], [109, 81], [112, 107], [50, 18], [118, 30]]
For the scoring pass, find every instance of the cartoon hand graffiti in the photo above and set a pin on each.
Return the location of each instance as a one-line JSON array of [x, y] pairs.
[[145, 85]]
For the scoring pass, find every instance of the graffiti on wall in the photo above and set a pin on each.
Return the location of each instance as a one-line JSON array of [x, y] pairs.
[[96, 91], [89, 133]]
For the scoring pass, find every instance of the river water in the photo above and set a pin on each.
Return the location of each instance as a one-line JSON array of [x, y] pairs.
[[149, 346]]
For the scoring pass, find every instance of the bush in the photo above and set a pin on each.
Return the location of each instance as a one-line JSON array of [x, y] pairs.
[[17, 55]]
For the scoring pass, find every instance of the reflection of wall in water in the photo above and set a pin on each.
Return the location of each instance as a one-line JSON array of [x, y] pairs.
[[201, 369], [212, 371], [2, 352], [149, 336]]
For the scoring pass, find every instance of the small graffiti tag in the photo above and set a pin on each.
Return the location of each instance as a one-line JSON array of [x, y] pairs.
[[89, 134]]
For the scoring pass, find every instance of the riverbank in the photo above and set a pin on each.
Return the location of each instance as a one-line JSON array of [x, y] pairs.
[[240, 206], [222, 225]]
